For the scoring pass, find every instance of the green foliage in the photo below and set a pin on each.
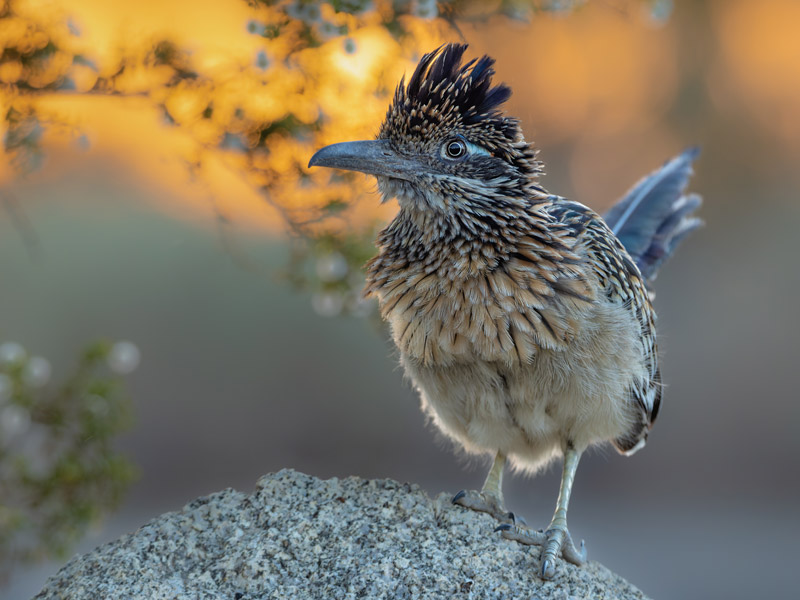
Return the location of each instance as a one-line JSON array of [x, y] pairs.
[[59, 472]]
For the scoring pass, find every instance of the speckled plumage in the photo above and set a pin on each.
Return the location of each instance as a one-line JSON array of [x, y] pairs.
[[484, 273], [520, 317]]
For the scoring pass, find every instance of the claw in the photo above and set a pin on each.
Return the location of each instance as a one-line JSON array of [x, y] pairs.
[[548, 569], [515, 519], [503, 527], [459, 496]]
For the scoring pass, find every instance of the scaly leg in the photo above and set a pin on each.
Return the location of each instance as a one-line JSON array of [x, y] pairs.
[[490, 498], [556, 540]]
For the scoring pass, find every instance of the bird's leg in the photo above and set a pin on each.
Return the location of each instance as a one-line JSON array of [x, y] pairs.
[[490, 498], [558, 537], [556, 540]]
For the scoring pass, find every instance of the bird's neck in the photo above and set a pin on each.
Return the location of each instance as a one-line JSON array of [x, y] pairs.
[[456, 245]]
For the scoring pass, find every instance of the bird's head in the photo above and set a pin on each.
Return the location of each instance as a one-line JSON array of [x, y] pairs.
[[445, 145]]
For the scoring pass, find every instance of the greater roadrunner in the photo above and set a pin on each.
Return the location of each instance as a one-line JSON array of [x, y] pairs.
[[522, 317]]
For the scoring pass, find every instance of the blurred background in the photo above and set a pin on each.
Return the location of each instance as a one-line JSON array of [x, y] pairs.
[[154, 191]]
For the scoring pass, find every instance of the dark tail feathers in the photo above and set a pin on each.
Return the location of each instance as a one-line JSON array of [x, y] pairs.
[[655, 215]]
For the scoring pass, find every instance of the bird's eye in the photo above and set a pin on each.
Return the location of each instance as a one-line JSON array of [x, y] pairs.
[[455, 148], [458, 148]]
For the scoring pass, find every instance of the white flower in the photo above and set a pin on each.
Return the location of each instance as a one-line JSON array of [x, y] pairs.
[[332, 267], [97, 405], [37, 372], [124, 357], [328, 304], [11, 352], [14, 421]]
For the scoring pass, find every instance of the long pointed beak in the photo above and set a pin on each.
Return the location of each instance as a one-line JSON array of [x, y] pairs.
[[375, 157]]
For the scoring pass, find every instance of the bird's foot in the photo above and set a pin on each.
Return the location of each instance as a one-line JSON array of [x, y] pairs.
[[555, 541], [484, 502]]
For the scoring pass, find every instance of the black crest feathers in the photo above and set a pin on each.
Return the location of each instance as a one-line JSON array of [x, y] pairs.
[[442, 81], [446, 96]]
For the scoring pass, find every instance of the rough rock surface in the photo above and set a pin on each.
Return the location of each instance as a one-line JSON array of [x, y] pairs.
[[300, 537]]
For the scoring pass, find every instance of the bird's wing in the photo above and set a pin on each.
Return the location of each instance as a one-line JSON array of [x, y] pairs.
[[622, 283], [547, 287]]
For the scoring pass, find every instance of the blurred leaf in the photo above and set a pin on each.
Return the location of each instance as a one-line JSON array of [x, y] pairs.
[[58, 470]]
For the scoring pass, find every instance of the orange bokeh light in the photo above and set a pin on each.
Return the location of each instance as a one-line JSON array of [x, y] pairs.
[[591, 73], [592, 76], [760, 58]]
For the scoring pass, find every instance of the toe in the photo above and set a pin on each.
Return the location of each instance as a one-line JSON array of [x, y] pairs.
[[571, 553], [482, 502], [522, 534], [559, 543]]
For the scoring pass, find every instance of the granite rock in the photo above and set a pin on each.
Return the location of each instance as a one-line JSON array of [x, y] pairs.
[[298, 536]]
